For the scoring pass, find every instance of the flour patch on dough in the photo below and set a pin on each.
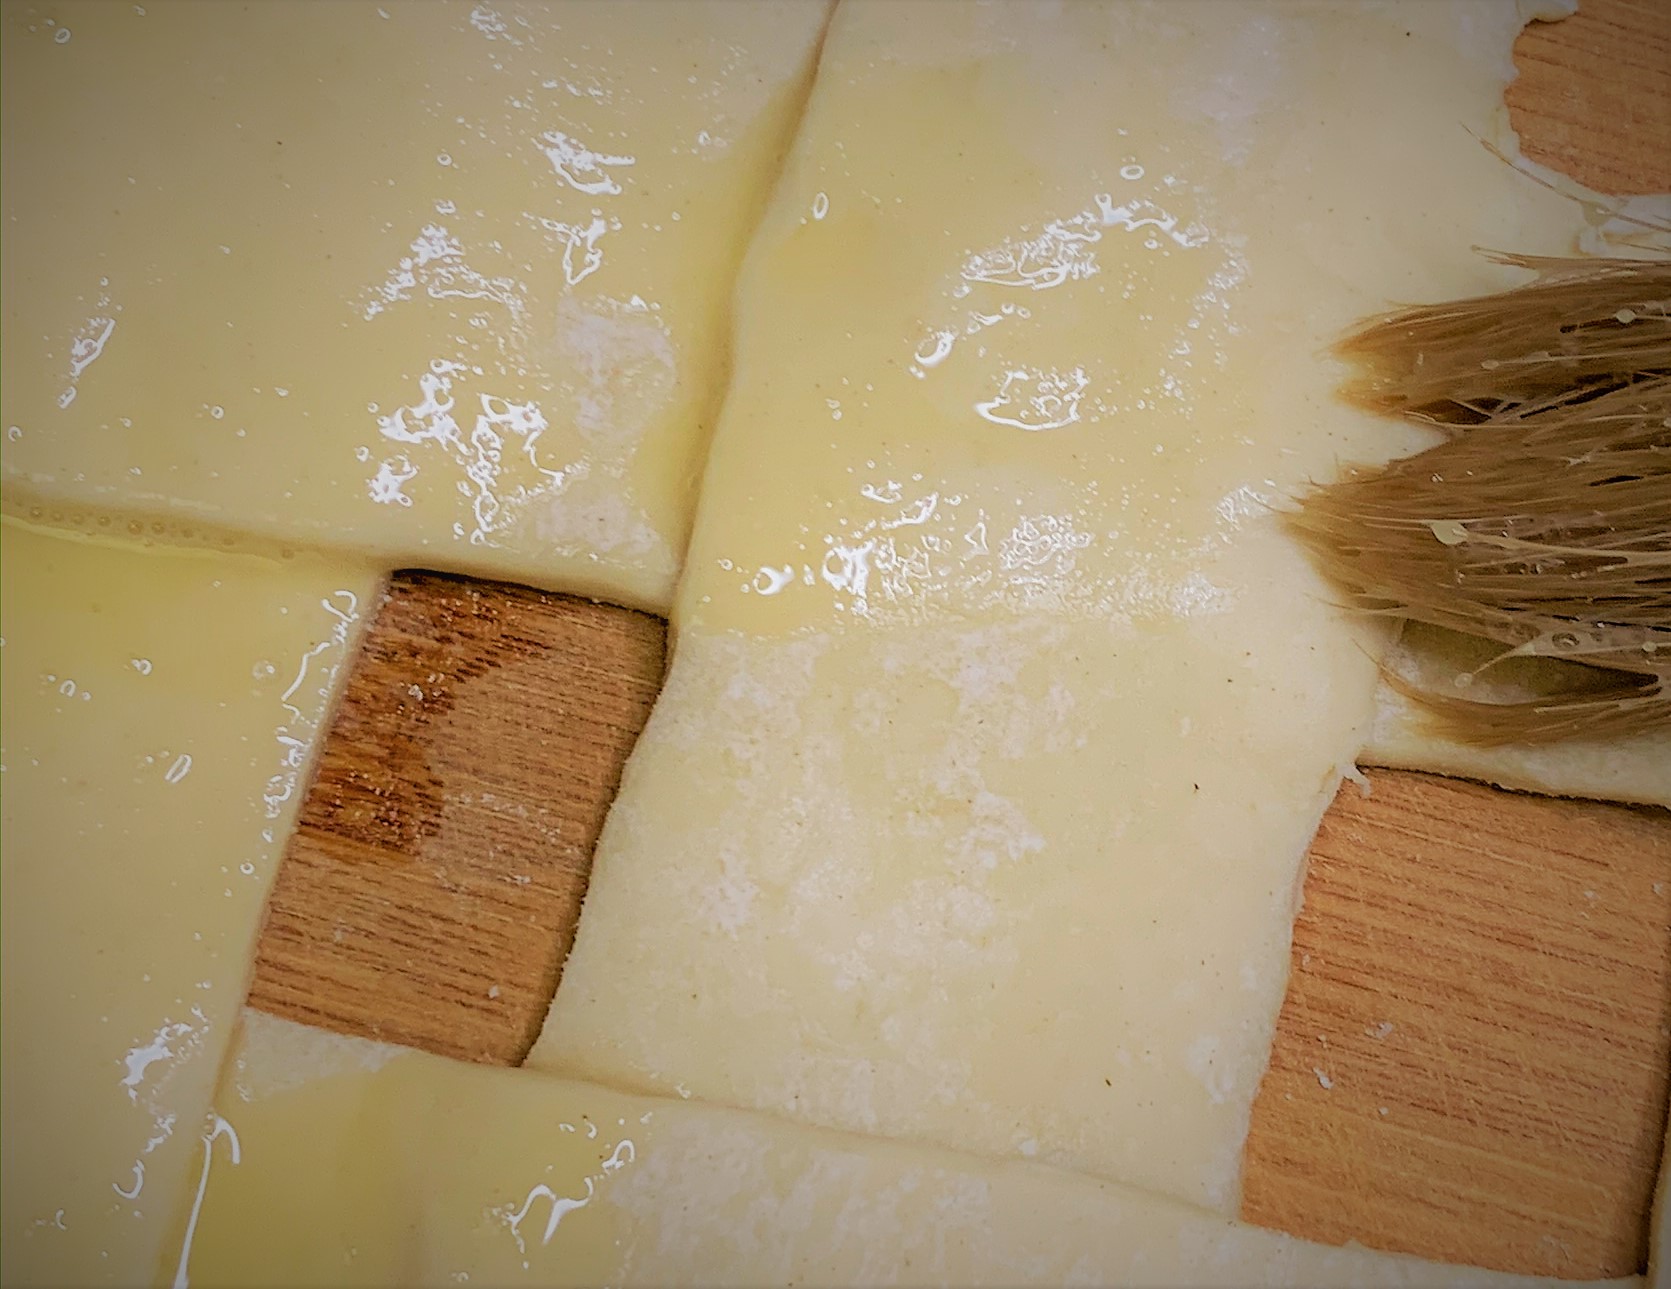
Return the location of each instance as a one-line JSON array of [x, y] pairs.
[[594, 516], [624, 372], [876, 889], [277, 1056]]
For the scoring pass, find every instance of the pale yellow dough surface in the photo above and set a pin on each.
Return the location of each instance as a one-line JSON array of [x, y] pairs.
[[360, 1164], [160, 710], [1001, 713], [443, 283]]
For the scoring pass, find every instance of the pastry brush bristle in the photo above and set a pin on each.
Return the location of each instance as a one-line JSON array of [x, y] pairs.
[[1543, 522], [1583, 325]]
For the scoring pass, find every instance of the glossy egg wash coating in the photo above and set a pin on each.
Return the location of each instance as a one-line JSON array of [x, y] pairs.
[[436, 283]]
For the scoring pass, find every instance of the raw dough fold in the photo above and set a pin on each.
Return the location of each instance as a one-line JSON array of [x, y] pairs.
[[444, 283], [161, 710], [521, 1179]]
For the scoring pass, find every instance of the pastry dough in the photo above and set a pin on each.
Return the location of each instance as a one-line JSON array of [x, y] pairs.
[[160, 711], [1634, 769], [519, 1179], [1001, 715], [443, 283]]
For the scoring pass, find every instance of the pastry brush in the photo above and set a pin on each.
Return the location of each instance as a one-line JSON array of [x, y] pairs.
[[1542, 520]]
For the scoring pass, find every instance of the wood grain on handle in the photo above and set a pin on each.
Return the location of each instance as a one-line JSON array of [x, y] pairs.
[[1472, 1056], [1593, 99], [1471, 1059], [433, 884]]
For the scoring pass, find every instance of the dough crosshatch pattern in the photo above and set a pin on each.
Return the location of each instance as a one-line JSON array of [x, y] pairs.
[[1468, 1041]]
